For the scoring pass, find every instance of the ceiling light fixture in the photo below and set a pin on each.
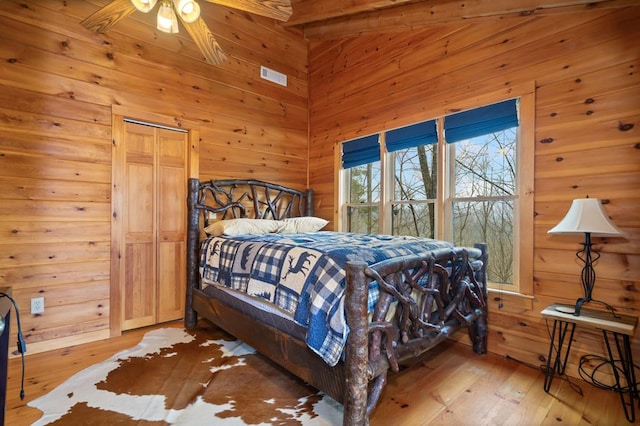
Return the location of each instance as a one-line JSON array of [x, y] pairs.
[[189, 12], [167, 21]]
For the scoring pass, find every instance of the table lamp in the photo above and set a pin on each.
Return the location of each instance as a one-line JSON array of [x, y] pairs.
[[586, 216]]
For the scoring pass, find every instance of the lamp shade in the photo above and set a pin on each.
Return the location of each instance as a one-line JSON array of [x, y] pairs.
[[586, 215], [167, 20]]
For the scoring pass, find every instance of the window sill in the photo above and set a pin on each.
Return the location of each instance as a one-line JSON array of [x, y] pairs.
[[510, 301]]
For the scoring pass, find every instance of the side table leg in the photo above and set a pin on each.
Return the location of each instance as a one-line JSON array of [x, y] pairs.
[[558, 336], [628, 391]]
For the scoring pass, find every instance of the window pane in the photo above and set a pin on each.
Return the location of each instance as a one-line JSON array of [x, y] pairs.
[[413, 219], [364, 183], [485, 165], [490, 222], [416, 172], [363, 219]]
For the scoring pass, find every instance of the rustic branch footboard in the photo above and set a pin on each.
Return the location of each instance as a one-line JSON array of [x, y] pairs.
[[422, 300]]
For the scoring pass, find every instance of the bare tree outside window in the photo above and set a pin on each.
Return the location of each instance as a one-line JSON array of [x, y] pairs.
[[415, 191], [363, 212]]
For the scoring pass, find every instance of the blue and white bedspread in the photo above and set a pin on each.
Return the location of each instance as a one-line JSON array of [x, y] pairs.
[[304, 274]]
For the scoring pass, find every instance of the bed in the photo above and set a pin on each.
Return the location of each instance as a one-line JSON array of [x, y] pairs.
[[338, 310]]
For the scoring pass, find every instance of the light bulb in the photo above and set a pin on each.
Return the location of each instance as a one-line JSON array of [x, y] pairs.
[[144, 5], [189, 10]]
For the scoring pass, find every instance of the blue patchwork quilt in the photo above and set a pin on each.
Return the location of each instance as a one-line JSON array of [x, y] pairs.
[[304, 274]]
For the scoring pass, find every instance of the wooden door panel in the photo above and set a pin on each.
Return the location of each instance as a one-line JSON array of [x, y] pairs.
[[140, 143], [139, 293], [172, 148], [172, 206], [171, 280], [139, 205]]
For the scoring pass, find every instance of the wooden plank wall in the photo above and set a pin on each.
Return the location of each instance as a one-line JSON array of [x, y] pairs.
[[58, 82], [586, 70]]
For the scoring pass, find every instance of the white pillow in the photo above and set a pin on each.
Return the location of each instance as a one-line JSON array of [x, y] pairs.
[[296, 225], [243, 226]]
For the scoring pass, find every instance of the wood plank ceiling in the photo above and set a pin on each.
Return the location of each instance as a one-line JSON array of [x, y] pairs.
[[328, 19]]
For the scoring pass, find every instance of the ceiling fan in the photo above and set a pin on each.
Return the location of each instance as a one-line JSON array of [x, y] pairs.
[[189, 13]]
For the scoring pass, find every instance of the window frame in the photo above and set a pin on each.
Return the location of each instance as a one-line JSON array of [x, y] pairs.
[[523, 202]]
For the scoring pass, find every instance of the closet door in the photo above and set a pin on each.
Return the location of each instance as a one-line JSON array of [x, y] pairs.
[[154, 222], [139, 263]]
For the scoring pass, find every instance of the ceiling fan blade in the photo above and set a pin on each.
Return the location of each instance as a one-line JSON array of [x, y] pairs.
[[276, 9], [103, 19], [205, 40]]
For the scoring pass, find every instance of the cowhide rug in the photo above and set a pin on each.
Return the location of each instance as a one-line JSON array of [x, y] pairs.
[[196, 377]]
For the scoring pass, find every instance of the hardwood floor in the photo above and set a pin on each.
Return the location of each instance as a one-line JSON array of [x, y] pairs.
[[449, 386]]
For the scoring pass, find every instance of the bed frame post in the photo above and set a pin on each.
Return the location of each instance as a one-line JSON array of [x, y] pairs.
[[479, 331], [357, 347], [309, 205], [193, 237]]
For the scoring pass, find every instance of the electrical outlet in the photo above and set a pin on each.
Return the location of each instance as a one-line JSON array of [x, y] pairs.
[[37, 305]]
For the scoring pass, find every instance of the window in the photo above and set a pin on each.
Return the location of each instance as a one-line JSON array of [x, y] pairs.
[[482, 146], [413, 154], [462, 183], [361, 158]]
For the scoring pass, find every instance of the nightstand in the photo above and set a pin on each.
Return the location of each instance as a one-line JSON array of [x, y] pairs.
[[617, 329]]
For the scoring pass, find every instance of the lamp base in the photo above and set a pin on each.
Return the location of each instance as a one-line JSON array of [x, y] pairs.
[[580, 302]]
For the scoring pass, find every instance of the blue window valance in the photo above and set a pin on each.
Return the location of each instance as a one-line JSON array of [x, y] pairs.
[[360, 151], [411, 136], [481, 121]]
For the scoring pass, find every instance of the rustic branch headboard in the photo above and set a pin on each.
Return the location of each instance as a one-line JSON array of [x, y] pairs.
[[234, 198]]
